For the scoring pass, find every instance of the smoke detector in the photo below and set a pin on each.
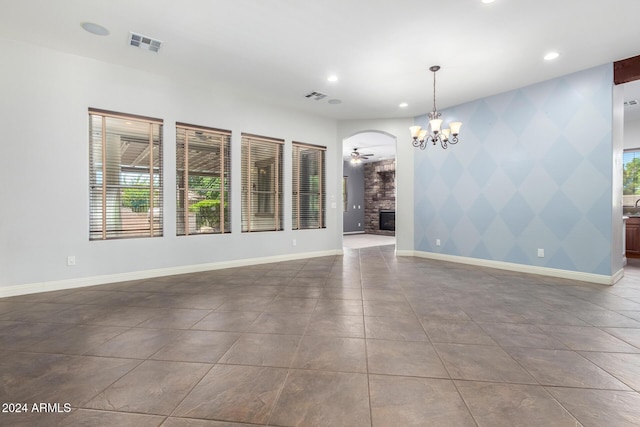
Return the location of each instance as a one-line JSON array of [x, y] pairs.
[[144, 42]]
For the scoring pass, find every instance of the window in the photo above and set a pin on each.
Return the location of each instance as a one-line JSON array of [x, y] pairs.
[[125, 176], [630, 177], [308, 186], [203, 177], [261, 183]]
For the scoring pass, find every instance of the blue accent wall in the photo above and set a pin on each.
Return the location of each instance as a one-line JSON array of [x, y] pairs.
[[532, 170]]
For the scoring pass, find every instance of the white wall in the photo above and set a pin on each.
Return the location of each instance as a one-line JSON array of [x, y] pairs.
[[619, 130], [44, 168], [398, 128], [631, 134]]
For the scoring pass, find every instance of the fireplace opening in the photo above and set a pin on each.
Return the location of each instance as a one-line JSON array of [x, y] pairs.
[[387, 220]]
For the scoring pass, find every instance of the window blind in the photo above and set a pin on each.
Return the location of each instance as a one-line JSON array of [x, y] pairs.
[[203, 180], [125, 176], [261, 172], [308, 176]]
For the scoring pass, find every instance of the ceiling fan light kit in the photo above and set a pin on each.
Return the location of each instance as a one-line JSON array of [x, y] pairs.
[[435, 133], [357, 157]]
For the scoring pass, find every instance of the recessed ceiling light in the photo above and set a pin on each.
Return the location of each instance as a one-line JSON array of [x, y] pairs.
[[96, 29], [403, 105], [488, 1], [551, 56], [334, 101], [332, 78]]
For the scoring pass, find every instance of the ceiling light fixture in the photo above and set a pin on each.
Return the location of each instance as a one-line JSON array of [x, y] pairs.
[[332, 78], [488, 1], [551, 56], [422, 136], [403, 105], [96, 29], [357, 157]]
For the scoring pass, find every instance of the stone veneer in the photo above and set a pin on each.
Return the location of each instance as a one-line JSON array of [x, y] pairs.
[[379, 193]]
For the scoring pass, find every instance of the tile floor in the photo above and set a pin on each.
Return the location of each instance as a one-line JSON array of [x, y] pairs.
[[364, 339], [365, 240]]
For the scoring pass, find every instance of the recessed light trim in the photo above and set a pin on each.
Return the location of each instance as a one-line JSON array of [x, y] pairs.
[[488, 1], [551, 56], [403, 105], [332, 78], [93, 28]]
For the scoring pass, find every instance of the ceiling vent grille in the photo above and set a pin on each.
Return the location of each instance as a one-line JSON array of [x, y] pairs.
[[630, 103], [316, 96], [144, 42]]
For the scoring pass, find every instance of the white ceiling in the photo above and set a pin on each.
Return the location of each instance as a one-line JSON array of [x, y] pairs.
[[280, 50]]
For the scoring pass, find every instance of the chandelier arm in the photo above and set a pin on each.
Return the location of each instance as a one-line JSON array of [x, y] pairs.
[[453, 140], [443, 144]]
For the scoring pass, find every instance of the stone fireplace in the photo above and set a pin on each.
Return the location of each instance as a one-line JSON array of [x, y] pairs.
[[379, 197]]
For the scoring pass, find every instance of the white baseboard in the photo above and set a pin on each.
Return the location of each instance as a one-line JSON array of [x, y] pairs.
[[57, 285], [346, 233], [619, 275], [530, 269], [80, 282]]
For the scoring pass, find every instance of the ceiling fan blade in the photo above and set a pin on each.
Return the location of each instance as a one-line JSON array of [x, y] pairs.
[[366, 154]]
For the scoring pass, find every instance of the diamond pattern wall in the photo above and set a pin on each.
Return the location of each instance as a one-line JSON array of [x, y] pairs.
[[532, 170]]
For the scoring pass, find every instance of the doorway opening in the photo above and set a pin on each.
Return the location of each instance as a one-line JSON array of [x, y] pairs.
[[369, 190]]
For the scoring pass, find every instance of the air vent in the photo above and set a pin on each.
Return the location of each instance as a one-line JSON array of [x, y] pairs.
[[144, 42], [630, 103], [317, 96]]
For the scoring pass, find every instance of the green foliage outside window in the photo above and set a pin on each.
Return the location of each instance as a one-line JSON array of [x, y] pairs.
[[207, 209], [136, 198], [207, 212], [631, 177]]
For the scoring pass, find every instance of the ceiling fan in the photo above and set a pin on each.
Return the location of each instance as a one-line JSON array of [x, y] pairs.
[[357, 157]]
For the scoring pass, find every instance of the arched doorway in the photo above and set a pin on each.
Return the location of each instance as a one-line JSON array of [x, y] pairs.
[[369, 189]]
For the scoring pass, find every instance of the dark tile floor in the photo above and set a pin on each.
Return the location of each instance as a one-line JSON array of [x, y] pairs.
[[364, 339]]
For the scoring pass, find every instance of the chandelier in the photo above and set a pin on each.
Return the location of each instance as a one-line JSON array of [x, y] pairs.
[[435, 134]]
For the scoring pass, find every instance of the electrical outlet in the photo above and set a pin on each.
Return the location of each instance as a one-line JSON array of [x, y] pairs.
[[358, 224], [437, 242], [71, 260], [540, 253], [293, 242]]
